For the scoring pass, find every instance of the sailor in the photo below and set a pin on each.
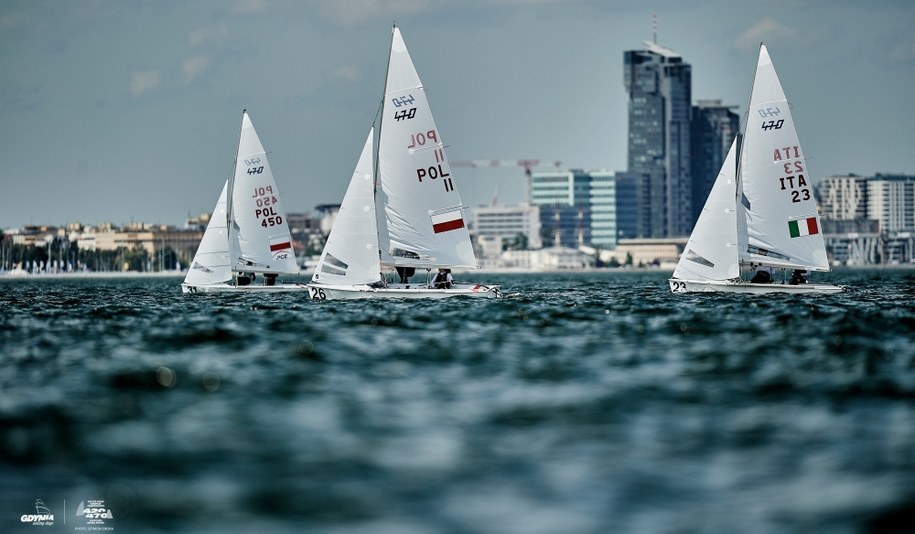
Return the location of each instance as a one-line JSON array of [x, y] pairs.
[[763, 275], [443, 280], [798, 277], [405, 273]]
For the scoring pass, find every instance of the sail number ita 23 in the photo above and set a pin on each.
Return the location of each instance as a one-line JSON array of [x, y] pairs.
[[793, 167]]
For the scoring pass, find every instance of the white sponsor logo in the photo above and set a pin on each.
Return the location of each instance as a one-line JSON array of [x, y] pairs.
[[42, 516]]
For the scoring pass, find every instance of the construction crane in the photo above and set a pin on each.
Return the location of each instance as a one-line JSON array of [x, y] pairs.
[[527, 164]]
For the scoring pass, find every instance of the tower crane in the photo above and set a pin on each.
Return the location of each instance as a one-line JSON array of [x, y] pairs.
[[527, 164]]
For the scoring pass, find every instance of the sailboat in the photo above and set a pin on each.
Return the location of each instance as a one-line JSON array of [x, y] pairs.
[[247, 242], [760, 213], [419, 221]]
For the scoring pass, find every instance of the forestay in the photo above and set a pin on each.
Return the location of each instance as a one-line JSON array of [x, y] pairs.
[[423, 211], [782, 223]]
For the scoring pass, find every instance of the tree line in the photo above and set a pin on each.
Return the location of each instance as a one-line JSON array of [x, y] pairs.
[[62, 255]]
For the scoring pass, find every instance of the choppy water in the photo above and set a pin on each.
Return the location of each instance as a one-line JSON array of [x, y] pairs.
[[579, 403]]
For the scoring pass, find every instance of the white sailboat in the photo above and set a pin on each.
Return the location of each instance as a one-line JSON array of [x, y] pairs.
[[760, 212], [419, 224], [247, 243]]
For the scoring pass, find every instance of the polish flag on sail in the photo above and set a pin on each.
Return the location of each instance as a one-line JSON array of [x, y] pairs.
[[279, 244], [803, 227], [449, 220]]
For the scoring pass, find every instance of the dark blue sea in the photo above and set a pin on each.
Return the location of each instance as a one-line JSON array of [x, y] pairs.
[[579, 403]]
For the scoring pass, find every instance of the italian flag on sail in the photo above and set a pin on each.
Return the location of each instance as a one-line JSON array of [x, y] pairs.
[[449, 220], [802, 227]]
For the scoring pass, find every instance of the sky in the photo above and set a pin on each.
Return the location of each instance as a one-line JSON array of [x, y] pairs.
[[129, 111]]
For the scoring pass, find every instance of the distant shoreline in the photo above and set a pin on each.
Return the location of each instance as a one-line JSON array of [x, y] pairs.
[[20, 275]]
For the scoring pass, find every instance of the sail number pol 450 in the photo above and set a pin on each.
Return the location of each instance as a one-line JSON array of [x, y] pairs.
[[265, 200]]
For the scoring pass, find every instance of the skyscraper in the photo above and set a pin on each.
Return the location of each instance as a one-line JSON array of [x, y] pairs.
[[891, 200], [660, 91], [842, 198], [577, 207], [713, 129]]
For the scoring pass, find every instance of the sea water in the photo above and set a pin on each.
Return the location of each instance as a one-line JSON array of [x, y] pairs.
[[590, 402]]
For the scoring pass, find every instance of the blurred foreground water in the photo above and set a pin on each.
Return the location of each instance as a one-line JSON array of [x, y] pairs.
[[594, 402]]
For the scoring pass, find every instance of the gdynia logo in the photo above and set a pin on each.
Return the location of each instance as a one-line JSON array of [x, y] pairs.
[[42, 516]]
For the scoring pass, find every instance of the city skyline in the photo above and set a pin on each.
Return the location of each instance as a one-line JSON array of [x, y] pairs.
[[120, 112]]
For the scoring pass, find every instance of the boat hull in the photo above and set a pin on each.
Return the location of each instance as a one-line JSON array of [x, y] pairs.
[[725, 286], [228, 288], [401, 291]]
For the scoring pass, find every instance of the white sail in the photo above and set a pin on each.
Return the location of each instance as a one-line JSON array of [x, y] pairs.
[[211, 262], [424, 216], [783, 225], [712, 250], [350, 255], [259, 235]]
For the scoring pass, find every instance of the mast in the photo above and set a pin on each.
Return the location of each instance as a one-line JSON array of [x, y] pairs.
[[380, 115], [739, 206], [743, 244], [376, 168], [230, 210]]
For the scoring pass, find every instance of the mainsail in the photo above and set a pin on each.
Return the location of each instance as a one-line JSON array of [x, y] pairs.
[[424, 222], [783, 226], [259, 237]]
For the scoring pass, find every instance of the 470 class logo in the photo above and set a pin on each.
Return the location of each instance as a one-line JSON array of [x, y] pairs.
[[94, 514]]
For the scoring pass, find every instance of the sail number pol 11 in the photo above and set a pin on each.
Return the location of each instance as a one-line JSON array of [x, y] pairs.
[[265, 200], [436, 171]]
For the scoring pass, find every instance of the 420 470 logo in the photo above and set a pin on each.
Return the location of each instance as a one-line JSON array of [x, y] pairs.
[[94, 512]]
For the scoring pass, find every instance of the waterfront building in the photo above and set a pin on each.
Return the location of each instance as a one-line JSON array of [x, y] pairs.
[[890, 199], [712, 131], [546, 259], [661, 252], [577, 207], [868, 220], [494, 227], [659, 84], [843, 197]]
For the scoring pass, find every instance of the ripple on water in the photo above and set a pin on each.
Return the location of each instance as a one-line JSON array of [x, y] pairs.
[[580, 402]]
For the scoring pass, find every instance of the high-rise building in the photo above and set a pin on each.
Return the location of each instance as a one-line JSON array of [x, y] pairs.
[[507, 224], [659, 84], [712, 131], [626, 204], [842, 198], [577, 207], [891, 200]]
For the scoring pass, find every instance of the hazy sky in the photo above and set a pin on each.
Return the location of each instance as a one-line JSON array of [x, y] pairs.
[[129, 110]]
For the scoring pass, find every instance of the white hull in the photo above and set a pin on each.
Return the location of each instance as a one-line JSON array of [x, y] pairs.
[[401, 291], [724, 286], [228, 288]]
